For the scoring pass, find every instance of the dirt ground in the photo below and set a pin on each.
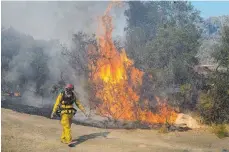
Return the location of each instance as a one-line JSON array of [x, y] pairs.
[[29, 133]]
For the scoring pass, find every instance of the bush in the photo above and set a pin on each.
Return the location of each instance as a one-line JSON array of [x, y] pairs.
[[205, 107], [213, 105], [220, 130], [213, 108]]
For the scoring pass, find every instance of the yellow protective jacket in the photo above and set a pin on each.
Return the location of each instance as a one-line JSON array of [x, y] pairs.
[[66, 107]]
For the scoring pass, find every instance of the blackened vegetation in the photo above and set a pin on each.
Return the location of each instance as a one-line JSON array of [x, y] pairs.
[[10, 104], [108, 124]]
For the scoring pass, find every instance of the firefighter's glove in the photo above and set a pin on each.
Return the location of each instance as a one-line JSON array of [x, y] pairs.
[[52, 115]]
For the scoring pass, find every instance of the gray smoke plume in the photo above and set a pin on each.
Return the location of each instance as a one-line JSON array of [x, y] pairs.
[[46, 20]]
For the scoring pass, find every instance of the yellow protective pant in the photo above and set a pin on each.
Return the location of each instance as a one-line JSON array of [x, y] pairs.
[[66, 121]]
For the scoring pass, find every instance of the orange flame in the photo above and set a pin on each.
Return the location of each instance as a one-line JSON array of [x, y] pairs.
[[117, 81]]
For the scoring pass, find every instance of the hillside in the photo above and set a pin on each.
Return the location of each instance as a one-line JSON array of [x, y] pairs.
[[212, 26], [23, 132], [211, 35]]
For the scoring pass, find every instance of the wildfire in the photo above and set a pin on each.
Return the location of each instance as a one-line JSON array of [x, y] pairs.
[[117, 82]]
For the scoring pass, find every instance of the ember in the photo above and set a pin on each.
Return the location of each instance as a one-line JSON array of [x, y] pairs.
[[12, 94], [117, 82]]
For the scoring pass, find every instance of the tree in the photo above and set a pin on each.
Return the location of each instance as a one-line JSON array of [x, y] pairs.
[[156, 24], [24, 61], [143, 20], [164, 37], [40, 69], [78, 55], [213, 105]]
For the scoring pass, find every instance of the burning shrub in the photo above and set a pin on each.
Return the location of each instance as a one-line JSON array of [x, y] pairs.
[[116, 82]]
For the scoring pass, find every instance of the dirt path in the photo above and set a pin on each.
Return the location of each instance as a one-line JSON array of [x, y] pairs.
[[29, 133]]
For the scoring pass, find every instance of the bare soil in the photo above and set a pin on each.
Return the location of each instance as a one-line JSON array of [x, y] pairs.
[[29, 133]]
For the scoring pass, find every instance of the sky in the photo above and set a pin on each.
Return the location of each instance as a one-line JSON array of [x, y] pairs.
[[212, 8]]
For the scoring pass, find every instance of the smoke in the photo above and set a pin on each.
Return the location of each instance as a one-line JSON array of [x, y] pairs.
[[54, 22], [58, 20]]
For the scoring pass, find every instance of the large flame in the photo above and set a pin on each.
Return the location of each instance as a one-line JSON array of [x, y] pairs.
[[117, 81]]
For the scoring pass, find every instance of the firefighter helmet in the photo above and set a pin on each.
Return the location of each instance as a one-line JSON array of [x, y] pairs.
[[69, 87]]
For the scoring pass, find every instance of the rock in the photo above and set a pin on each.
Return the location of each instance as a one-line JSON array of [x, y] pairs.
[[184, 119]]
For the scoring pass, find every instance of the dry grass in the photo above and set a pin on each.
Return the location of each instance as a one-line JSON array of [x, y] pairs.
[[220, 130], [163, 130]]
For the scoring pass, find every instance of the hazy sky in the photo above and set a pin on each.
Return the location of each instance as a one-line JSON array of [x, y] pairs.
[[212, 8], [58, 19]]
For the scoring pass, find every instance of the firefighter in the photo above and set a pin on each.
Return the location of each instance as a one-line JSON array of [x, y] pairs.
[[65, 102]]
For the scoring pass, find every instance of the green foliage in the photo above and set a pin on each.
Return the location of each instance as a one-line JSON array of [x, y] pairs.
[[221, 53], [161, 27], [175, 48], [206, 102], [220, 130], [214, 106], [185, 88], [163, 36], [205, 107]]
